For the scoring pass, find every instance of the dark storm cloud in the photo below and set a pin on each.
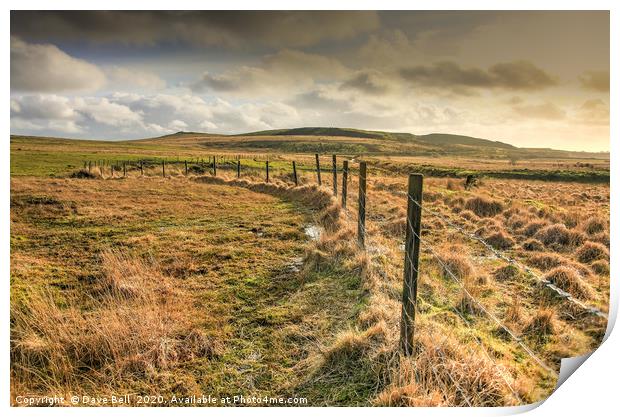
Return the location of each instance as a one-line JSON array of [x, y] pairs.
[[595, 80], [368, 82], [516, 75], [318, 100], [228, 28]]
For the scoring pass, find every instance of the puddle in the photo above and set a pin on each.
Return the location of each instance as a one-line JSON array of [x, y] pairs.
[[313, 231], [294, 266]]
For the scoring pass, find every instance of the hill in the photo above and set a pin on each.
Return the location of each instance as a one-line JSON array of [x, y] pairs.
[[431, 139]]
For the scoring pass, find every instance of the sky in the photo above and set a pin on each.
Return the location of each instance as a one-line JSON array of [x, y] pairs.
[[531, 79]]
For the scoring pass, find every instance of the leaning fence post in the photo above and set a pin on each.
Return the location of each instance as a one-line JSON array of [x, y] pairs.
[[267, 169], [335, 174], [141, 168], [318, 168], [238, 168], [295, 173], [412, 257], [361, 206], [186, 171], [345, 174]]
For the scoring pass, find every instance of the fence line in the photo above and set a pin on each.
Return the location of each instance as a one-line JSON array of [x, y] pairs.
[[492, 316], [501, 255], [413, 243]]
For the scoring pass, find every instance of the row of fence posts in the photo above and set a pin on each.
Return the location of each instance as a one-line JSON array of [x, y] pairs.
[[412, 235], [213, 164]]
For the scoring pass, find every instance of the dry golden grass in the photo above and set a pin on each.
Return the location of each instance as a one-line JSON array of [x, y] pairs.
[[165, 282], [483, 206], [569, 280], [137, 324], [591, 251], [542, 324], [558, 236], [336, 324]]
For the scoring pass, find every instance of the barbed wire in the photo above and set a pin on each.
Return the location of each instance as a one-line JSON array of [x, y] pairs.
[[478, 342], [492, 316], [501, 255]]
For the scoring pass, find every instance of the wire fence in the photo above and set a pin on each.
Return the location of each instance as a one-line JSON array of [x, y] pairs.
[[414, 240]]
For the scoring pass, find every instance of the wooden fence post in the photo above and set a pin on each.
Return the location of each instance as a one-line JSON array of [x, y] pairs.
[[318, 168], [141, 168], [112, 170], [335, 174], [345, 174], [412, 257], [295, 173], [214, 167], [238, 168], [361, 206], [89, 166], [186, 170], [124, 169], [163, 168], [267, 169]]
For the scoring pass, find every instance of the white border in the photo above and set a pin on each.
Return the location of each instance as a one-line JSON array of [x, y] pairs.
[[590, 391]]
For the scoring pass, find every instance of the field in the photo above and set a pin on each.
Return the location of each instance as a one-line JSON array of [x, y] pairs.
[[212, 284]]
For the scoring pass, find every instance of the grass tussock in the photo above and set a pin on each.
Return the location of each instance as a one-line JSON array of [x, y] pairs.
[[396, 227], [531, 228], [484, 206], [559, 237], [453, 261], [533, 245], [441, 365], [137, 325], [506, 273], [546, 261], [83, 174], [594, 226], [500, 240], [350, 345], [569, 280], [543, 323], [514, 312], [592, 251], [600, 267], [469, 215]]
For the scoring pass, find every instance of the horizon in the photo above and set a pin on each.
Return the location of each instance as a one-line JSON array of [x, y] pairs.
[[136, 74], [207, 134]]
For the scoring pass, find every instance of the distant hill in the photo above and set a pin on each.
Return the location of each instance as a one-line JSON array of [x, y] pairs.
[[440, 139]]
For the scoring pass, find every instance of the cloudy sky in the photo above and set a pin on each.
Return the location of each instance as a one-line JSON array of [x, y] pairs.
[[535, 79]]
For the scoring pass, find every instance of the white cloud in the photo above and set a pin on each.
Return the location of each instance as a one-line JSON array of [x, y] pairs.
[[101, 110], [134, 115], [45, 68], [177, 125], [43, 106]]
